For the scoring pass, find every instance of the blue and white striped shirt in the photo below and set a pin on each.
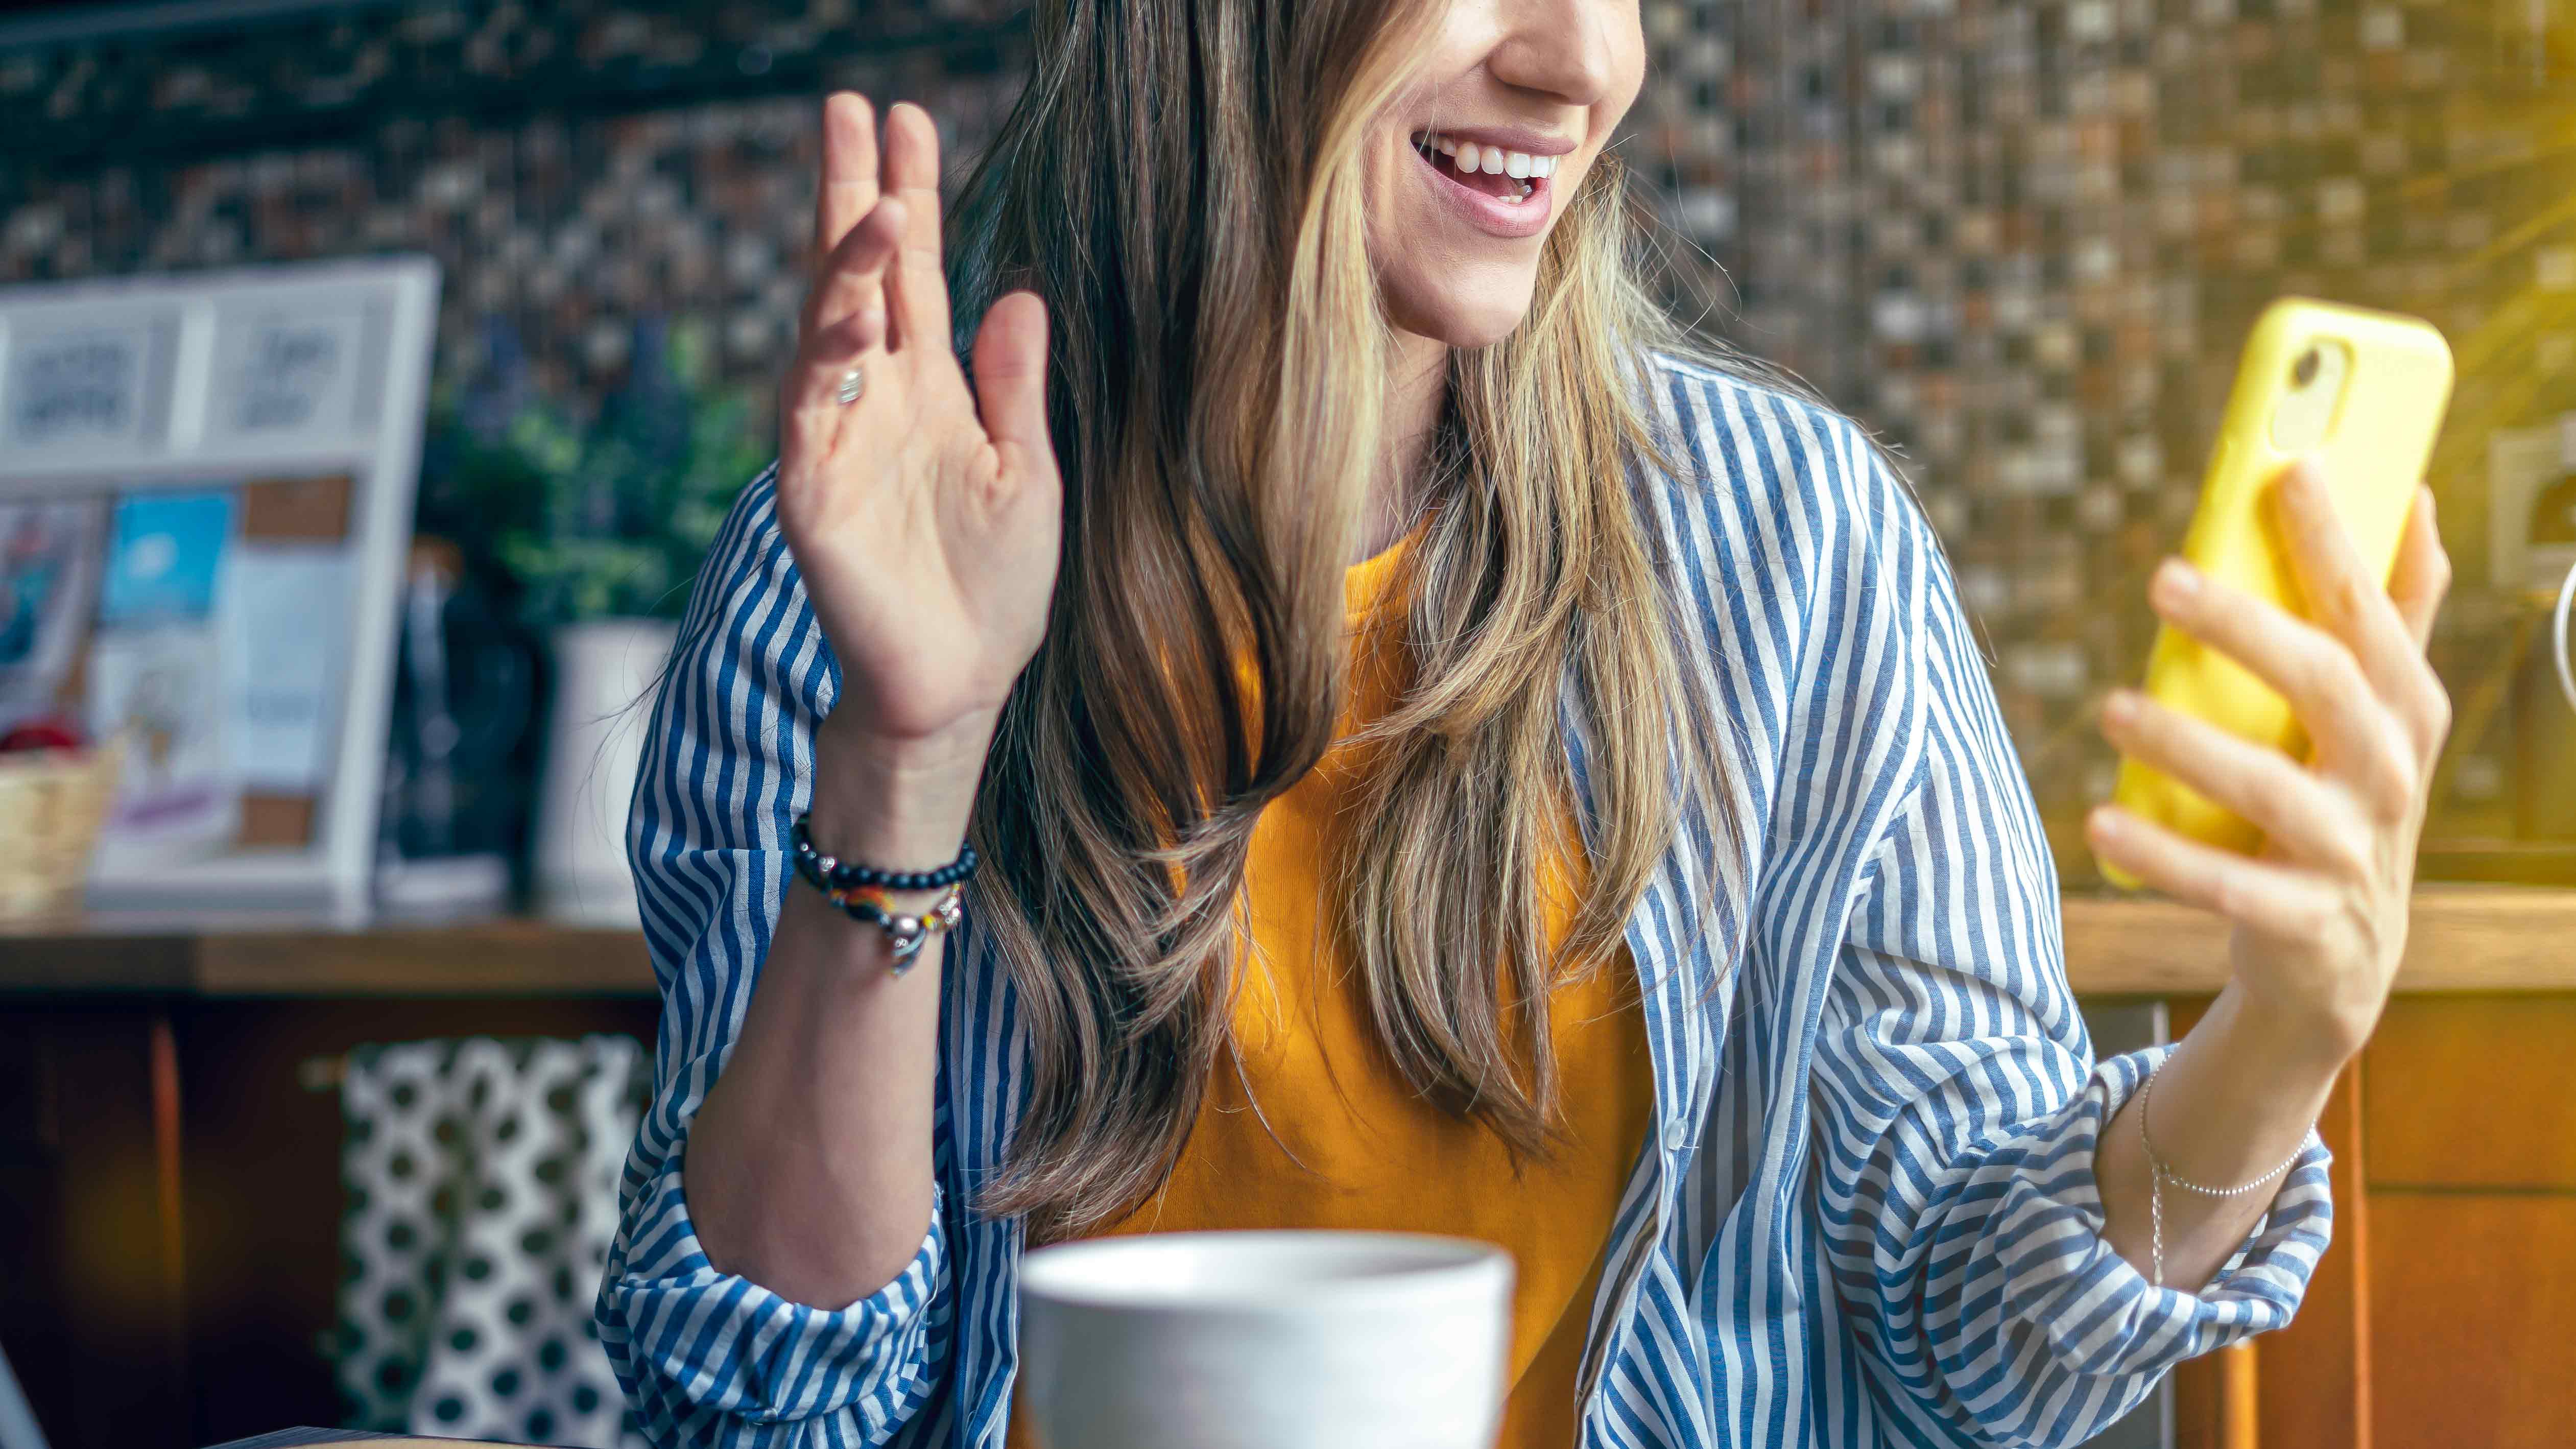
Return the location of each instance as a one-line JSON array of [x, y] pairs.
[[1867, 1212]]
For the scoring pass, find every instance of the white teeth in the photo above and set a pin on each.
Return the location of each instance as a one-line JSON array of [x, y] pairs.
[[1469, 157]]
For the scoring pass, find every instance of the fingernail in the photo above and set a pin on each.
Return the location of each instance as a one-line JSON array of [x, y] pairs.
[[2120, 707], [2102, 820], [2176, 581], [2432, 505]]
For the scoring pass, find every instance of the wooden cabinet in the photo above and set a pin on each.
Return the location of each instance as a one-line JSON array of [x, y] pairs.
[[2473, 1319], [2473, 1093], [169, 1184], [90, 1276], [2469, 1144]]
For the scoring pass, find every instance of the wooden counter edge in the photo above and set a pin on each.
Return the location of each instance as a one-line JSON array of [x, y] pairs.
[[2464, 939], [498, 958], [514, 957]]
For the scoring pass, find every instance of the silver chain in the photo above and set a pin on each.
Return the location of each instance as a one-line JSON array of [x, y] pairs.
[[2158, 1174]]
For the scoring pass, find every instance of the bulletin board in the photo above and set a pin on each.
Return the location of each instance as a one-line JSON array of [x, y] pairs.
[[206, 491]]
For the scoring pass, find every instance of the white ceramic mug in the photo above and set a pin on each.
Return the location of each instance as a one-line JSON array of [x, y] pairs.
[[1285, 1340]]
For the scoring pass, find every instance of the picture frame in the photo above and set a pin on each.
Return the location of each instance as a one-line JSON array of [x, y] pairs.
[[249, 440]]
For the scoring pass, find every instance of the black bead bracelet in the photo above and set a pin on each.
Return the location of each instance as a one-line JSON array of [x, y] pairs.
[[850, 875]]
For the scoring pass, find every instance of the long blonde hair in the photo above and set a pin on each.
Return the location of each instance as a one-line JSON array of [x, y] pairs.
[[1183, 182]]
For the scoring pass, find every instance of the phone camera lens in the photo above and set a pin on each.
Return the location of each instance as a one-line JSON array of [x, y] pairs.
[[2304, 371]]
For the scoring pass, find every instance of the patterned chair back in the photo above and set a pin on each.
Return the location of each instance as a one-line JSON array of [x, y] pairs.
[[481, 1181]]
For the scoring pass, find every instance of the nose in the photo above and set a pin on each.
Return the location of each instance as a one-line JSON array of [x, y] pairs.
[[1561, 48]]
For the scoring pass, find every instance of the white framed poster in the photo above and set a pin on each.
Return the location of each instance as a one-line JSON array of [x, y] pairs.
[[206, 487]]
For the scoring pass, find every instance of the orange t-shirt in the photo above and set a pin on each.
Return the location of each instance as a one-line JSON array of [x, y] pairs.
[[1368, 1153]]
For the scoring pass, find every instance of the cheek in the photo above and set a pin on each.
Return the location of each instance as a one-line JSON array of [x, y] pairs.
[[1626, 80], [1627, 61]]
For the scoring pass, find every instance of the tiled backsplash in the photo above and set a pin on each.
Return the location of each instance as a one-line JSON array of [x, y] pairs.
[[570, 167], [2023, 241]]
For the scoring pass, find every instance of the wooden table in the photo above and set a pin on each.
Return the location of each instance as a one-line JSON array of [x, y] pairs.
[[176, 1187]]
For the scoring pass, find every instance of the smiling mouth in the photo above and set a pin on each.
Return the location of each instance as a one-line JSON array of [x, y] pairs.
[[1512, 177]]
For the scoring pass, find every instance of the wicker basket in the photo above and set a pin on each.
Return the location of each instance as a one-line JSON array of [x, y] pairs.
[[52, 804]]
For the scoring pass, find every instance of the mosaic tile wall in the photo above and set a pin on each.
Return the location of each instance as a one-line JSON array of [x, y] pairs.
[[571, 166], [2025, 241], [2021, 240]]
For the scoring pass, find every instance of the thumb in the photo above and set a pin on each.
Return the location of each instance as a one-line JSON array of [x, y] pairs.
[[1010, 380]]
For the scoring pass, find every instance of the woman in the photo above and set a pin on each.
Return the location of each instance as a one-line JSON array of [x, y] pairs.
[[1624, 861]]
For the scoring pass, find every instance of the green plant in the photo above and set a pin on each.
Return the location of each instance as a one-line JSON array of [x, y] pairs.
[[598, 518]]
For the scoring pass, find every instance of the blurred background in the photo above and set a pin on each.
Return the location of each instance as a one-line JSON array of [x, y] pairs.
[[2022, 241]]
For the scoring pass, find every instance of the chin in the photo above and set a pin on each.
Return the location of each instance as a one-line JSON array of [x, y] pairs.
[[1462, 310]]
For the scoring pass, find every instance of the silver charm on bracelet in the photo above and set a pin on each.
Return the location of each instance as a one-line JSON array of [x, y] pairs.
[[905, 933]]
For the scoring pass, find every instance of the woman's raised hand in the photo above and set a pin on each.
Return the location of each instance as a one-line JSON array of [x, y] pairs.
[[923, 517]]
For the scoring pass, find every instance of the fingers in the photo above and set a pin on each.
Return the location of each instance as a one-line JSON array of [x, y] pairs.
[[2272, 898], [2301, 813], [2349, 600], [2313, 669], [1010, 380], [848, 188], [846, 311], [920, 281], [2423, 574]]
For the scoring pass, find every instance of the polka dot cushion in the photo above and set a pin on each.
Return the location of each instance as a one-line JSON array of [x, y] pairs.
[[481, 1181]]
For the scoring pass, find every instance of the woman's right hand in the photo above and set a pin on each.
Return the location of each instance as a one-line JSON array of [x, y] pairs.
[[924, 518]]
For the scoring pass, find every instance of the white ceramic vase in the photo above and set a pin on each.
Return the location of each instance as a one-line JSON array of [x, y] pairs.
[[1269, 1340], [605, 670]]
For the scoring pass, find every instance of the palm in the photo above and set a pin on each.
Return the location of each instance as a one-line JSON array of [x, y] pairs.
[[923, 520]]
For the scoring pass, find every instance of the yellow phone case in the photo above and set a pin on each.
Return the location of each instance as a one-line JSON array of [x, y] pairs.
[[2378, 436]]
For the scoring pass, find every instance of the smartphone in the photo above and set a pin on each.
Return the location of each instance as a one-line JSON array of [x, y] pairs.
[[2361, 391]]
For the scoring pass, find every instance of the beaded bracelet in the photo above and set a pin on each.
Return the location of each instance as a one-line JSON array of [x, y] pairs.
[[849, 874], [868, 900]]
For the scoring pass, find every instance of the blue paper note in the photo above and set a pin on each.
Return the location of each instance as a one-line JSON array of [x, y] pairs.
[[164, 556]]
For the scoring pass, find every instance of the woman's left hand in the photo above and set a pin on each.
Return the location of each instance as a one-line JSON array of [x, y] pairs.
[[2320, 915]]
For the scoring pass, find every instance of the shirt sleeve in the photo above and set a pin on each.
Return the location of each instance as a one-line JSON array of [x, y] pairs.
[[1957, 1108], [708, 1357]]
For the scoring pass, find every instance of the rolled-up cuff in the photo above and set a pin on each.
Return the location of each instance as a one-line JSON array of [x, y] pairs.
[[703, 1342], [2098, 1314]]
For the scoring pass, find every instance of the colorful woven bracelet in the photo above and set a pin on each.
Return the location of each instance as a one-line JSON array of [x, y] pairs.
[[905, 934], [849, 875]]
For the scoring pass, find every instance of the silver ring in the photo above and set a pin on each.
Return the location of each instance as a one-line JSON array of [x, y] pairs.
[[853, 382]]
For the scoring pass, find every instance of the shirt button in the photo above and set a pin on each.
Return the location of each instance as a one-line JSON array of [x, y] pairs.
[[1676, 1135]]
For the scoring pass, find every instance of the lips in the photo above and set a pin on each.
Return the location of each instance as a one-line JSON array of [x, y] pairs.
[[1494, 201]]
